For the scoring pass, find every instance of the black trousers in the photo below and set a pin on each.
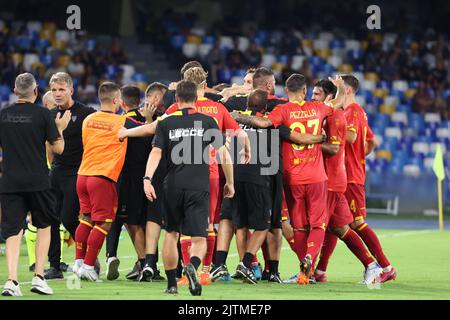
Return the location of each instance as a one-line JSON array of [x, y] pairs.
[[112, 239], [64, 187]]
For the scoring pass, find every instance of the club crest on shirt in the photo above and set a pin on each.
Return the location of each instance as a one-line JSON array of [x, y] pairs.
[[74, 118]]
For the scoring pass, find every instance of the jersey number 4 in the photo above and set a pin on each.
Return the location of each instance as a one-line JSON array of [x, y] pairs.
[[313, 123]]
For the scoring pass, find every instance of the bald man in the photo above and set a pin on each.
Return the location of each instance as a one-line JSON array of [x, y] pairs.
[[48, 101]]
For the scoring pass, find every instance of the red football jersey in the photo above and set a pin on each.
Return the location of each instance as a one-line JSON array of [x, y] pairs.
[[355, 154], [302, 164], [336, 130], [224, 121]]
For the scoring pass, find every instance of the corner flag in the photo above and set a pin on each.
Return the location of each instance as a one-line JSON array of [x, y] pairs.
[[439, 171]]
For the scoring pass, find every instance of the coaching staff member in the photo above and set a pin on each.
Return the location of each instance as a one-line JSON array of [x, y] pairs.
[[25, 186], [64, 169], [186, 185]]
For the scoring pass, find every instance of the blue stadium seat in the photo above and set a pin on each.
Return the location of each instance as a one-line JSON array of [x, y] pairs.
[[355, 54], [91, 44], [336, 44], [5, 91], [328, 69], [224, 75], [416, 160], [417, 122], [358, 68], [24, 43], [383, 84], [177, 41], [209, 39], [139, 77], [284, 59], [239, 73]]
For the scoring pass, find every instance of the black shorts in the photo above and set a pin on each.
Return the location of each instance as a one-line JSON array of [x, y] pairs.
[[155, 209], [252, 206], [227, 208], [132, 204], [186, 211], [15, 207], [277, 200]]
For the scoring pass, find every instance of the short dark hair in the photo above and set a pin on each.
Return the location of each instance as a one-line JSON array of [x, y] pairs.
[[295, 82], [351, 81], [257, 100], [188, 65], [107, 90], [327, 86], [186, 91], [131, 96], [155, 86], [260, 76]]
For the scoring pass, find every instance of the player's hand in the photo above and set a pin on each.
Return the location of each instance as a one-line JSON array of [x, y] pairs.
[[173, 86], [122, 134], [287, 230], [228, 190], [149, 191], [63, 121], [337, 81], [148, 111]]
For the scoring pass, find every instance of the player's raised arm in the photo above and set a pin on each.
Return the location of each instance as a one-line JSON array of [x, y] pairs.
[[141, 131], [338, 101]]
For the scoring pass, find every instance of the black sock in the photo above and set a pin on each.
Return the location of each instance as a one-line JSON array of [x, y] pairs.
[[150, 259], [171, 278], [273, 266], [39, 276], [247, 260], [221, 257], [195, 261], [142, 262]]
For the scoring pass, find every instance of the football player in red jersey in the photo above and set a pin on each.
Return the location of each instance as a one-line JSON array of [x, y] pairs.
[[356, 148], [305, 180], [339, 214]]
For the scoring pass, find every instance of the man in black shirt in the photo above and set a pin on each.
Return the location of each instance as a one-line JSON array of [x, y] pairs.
[[263, 79], [183, 138], [63, 174], [132, 204], [251, 207], [25, 185]]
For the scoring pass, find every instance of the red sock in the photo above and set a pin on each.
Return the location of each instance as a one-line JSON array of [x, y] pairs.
[[265, 251], [81, 239], [300, 238], [371, 240], [356, 245], [329, 243], [94, 245], [210, 243], [186, 243], [315, 241]]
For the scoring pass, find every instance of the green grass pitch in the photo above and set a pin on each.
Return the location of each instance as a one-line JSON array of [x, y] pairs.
[[421, 257]]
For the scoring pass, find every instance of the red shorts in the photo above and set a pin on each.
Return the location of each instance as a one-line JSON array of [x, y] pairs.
[[356, 198], [284, 208], [98, 197], [307, 205], [214, 191], [338, 210]]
